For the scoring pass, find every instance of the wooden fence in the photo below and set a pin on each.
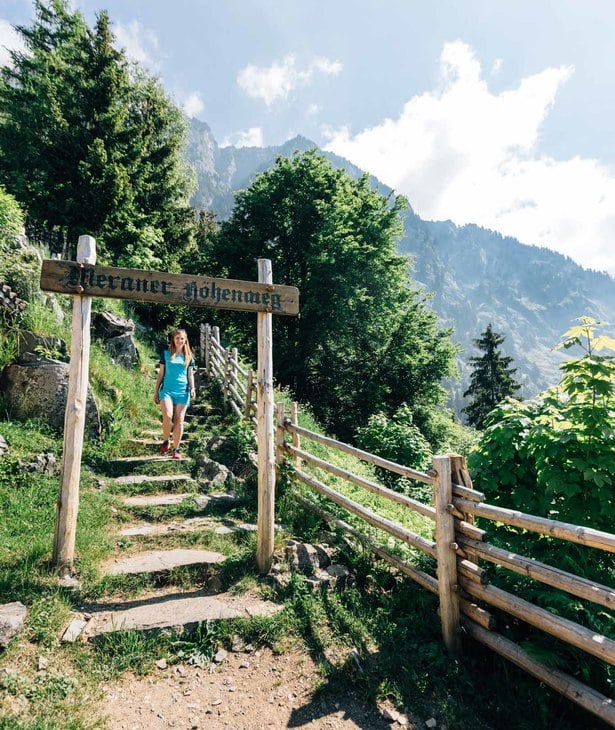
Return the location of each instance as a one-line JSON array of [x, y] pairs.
[[465, 595], [238, 385]]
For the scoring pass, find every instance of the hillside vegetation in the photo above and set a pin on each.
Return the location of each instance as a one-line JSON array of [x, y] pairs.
[[372, 359], [476, 276]]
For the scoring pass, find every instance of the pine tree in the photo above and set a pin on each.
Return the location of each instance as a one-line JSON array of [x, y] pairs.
[[492, 378], [90, 144]]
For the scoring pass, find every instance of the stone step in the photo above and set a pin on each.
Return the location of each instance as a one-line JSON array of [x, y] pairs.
[[185, 610], [202, 500], [154, 443], [164, 500], [191, 524], [157, 561], [145, 459], [201, 409], [156, 435], [161, 480]]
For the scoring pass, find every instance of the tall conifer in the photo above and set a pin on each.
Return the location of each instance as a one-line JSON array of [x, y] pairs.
[[492, 378], [89, 143]]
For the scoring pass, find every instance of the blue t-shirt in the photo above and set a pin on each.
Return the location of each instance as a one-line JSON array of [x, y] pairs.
[[175, 372]]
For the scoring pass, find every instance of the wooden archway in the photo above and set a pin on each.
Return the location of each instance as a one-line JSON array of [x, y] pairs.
[[84, 280]]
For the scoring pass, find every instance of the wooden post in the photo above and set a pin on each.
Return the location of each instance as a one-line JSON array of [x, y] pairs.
[[460, 475], [74, 420], [207, 355], [215, 351], [279, 434], [265, 430], [202, 342], [207, 350], [447, 559], [234, 365], [294, 419], [215, 333], [227, 376], [247, 412]]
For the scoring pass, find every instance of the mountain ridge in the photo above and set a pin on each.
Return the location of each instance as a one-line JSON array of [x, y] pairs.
[[475, 276]]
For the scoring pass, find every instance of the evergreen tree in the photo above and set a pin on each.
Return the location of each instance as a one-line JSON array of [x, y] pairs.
[[89, 144], [492, 378], [364, 341]]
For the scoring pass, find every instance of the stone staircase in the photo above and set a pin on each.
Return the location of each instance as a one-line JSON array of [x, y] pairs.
[[166, 518]]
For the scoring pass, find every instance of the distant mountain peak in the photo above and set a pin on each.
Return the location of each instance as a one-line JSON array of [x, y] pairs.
[[300, 142], [477, 276]]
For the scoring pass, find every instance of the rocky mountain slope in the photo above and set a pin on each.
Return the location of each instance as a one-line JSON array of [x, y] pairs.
[[529, 294]]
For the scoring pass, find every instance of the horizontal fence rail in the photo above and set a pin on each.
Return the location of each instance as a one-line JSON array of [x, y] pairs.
[[457, 503], [461, 584], [572, 533], [554, 577]]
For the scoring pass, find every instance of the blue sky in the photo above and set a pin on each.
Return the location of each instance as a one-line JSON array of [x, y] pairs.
[[496, 112]]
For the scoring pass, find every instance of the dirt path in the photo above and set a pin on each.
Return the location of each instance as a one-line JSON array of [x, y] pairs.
[[246, 691]]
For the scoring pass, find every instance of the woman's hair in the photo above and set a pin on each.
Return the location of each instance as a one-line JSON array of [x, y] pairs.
[[187, 351]]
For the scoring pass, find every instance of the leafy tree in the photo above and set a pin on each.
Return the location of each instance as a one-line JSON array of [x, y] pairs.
[[89, 144], [159, 225], [492, 379], [365, 340]]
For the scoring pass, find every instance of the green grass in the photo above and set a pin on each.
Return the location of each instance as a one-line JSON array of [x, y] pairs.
[[381, 637]]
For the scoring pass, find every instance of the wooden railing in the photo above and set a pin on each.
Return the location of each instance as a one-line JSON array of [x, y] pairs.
[[461, 584], [238, 384]]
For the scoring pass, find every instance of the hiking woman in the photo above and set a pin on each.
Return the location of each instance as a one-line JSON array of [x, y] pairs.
[[174, 388]]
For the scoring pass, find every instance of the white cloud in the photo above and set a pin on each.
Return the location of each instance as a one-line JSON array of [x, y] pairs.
[[193, 104], [465, 154], [9, 40], [252, 137], [277, 81], [139, 43]]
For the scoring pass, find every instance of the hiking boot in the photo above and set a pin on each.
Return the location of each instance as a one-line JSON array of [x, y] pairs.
[[176, 454], [164, 447]]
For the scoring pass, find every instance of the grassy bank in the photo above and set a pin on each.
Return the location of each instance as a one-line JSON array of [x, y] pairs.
[[380, 636]]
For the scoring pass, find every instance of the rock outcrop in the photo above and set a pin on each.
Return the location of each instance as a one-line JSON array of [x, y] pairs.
[[39, 389], [116, 336]]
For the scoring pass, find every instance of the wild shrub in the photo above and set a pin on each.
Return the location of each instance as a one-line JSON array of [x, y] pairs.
[[553, 457], [397, 439], [11, 219]]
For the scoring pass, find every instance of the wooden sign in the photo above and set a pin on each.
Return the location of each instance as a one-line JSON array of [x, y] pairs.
[[69, 277]]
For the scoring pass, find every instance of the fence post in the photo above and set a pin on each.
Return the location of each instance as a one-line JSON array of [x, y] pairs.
[[447, 558], [279, 439], [74, 419], [294, 419], [234, 369], [247, 409], [460, 475], [265, 430], [227, 374], [214, 352], [205, 334]]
